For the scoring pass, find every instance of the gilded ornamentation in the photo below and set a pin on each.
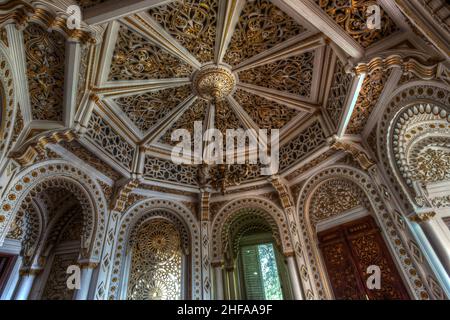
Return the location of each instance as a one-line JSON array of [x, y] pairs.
[[213, 83], [4, 37], [260, 27], [371, 90], [422, 217], [338, 92], [135, 58], [351, 16], [56, 285], [225, 118], [108, 140], [45, 70], [147, 109], [166, 170], [266, 114], [192, 24], [440, 202], [293, 74], [432, 165], [196, 112], [334, 197], [156, 262], [306, 141]]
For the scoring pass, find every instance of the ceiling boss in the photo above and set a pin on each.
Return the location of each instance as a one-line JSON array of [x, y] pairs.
[[214, 83]]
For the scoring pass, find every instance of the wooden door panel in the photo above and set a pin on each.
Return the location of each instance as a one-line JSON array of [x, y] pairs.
[[360, 245]]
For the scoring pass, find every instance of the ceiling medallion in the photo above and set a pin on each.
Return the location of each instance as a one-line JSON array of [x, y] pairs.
[[214, 83]]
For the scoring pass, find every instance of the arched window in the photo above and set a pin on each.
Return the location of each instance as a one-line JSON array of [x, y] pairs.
[[254, 264], [156, 262]]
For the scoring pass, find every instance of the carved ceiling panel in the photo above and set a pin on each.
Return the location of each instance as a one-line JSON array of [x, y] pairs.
[[225, 118], [261, 26], [147, 109], [106, 138], [196, 112], [266, 114], [135, 58], [192, 24], [45, 57], [352, 16], [334, 197], [166, 170], [294, 74], [308, 140], [338, 92], [371, 90]]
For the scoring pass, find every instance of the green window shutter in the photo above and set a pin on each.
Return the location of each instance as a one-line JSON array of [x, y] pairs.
[[252, 273]]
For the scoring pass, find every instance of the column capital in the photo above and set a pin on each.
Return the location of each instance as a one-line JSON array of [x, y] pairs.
[[216, 264], [422, 217], [88, 264], [289, 254], [30, 272]]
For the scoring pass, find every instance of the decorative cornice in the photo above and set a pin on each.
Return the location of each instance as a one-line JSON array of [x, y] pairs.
[[408, 65], [28, 152], [356, 151], [21, 13]]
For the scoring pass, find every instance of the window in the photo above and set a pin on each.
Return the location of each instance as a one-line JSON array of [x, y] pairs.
[[260, 272]]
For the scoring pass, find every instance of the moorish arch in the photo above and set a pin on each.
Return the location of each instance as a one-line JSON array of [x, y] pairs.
[[250, 244], [354, 188], [414, 138], [258, 207], [414, 146], [180, 226], [59, 174]]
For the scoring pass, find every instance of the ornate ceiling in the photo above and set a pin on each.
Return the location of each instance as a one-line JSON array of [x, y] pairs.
[[115, 90]]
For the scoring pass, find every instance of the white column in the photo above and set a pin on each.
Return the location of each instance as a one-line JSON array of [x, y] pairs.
[[25, 284], [295, 281], [436, 239], [231, 284], [85, 281], [219, 282], [183, 277]]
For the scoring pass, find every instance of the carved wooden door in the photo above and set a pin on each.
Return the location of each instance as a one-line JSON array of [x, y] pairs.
[[348, 250]]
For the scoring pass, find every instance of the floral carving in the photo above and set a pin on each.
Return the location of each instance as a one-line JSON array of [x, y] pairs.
[[293, 74], [192, 23], [260, 27], [147, 109], [135, 58], [351, 16], [45, 70], [266, 114]]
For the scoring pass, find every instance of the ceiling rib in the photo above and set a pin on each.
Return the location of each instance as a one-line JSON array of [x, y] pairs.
[[228, 16], [291, 47], [312, 12], [113, 10], [286, 99], [150, 29], [124, 88]]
